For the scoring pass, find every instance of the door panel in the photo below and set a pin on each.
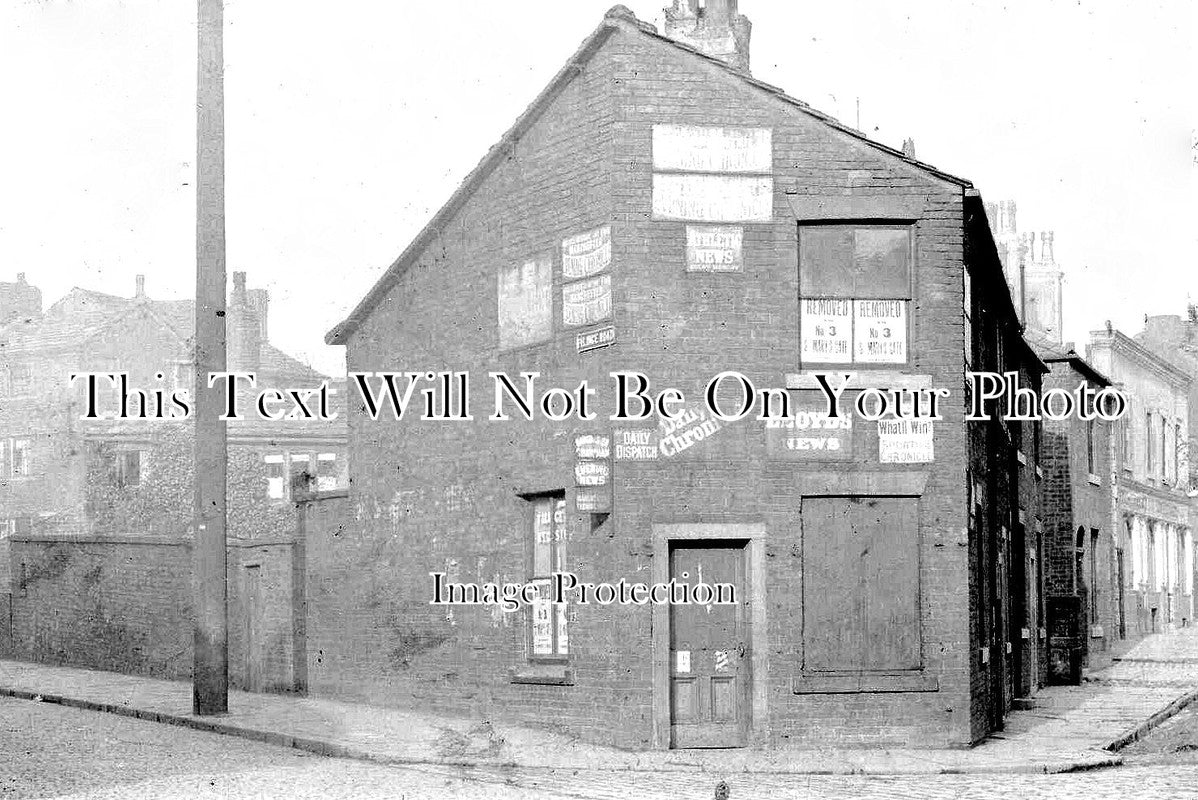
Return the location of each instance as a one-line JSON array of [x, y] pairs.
[[709, 651]]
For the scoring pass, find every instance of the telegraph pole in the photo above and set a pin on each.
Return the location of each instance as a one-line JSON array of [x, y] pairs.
[[210, 674]]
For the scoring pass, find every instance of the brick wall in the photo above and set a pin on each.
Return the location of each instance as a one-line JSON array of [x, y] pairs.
[[124, 604], [428, 496]]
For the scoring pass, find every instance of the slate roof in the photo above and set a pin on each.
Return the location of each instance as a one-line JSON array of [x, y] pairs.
[[68, 325], [618, 18]]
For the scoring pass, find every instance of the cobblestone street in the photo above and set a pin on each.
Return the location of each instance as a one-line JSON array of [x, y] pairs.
[[53, 751]]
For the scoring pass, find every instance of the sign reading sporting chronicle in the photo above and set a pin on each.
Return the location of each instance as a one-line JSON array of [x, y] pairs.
[[880, 331], [905, 441], [714, 248], [827, 331], [586, 302], [586, 254]]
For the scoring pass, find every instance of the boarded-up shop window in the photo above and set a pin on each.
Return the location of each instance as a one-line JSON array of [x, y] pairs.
[[525, 304], [860, 584], [548, 639], [855, 285]]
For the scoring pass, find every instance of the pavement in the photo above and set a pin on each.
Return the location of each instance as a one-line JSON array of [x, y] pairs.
[[1070, 728]]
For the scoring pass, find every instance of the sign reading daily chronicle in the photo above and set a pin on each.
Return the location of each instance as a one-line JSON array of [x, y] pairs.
[[880, 331], [905, 441], [827, 331], [586, 254], [587, 301], [809, 434], [672, 438], [714, 248]]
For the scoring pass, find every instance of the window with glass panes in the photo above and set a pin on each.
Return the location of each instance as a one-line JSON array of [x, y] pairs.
[[855, 293], [548, 638]]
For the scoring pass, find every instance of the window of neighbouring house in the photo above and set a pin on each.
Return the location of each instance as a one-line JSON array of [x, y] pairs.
[[1091, 447], [20, 379], [276, 477], [130, 468], [326, 472], [14, 458], [855, 292], [1179, 463], [1149, 447], [860, 584], [548, 638]]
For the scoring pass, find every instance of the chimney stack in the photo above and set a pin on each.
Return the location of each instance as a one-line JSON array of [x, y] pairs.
[[19, 300], [909, 148], [141, 287], [717, 30], [1046, 254], [244, 332]]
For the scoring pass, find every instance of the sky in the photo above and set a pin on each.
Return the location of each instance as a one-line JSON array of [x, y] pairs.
[[349, 124]]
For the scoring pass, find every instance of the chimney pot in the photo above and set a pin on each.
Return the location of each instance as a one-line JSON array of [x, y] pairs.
[[20, 277], [238, 287], [909, 148], [717, 30], [140, 281]]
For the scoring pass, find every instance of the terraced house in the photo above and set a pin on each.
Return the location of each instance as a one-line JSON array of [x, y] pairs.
[[658, 209]]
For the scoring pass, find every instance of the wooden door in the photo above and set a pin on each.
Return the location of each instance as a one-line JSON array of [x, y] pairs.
[[709, 651], [254, 646]]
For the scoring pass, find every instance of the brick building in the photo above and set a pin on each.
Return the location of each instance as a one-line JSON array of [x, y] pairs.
[[76, 492], [658, 209], [1154, 548], [1084, 596]]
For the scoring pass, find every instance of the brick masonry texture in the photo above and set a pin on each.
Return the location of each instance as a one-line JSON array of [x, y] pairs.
[[124, 604], [428, 496]]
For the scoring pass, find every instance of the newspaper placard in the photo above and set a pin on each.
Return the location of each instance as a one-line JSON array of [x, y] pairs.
[[586, 254], [713, 198], [707, 148], [880, 331], [714, 248], [526, 304], [637, 444], [809, 434], [827, 331], [905, 441], [586, 302], [592, 445]]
